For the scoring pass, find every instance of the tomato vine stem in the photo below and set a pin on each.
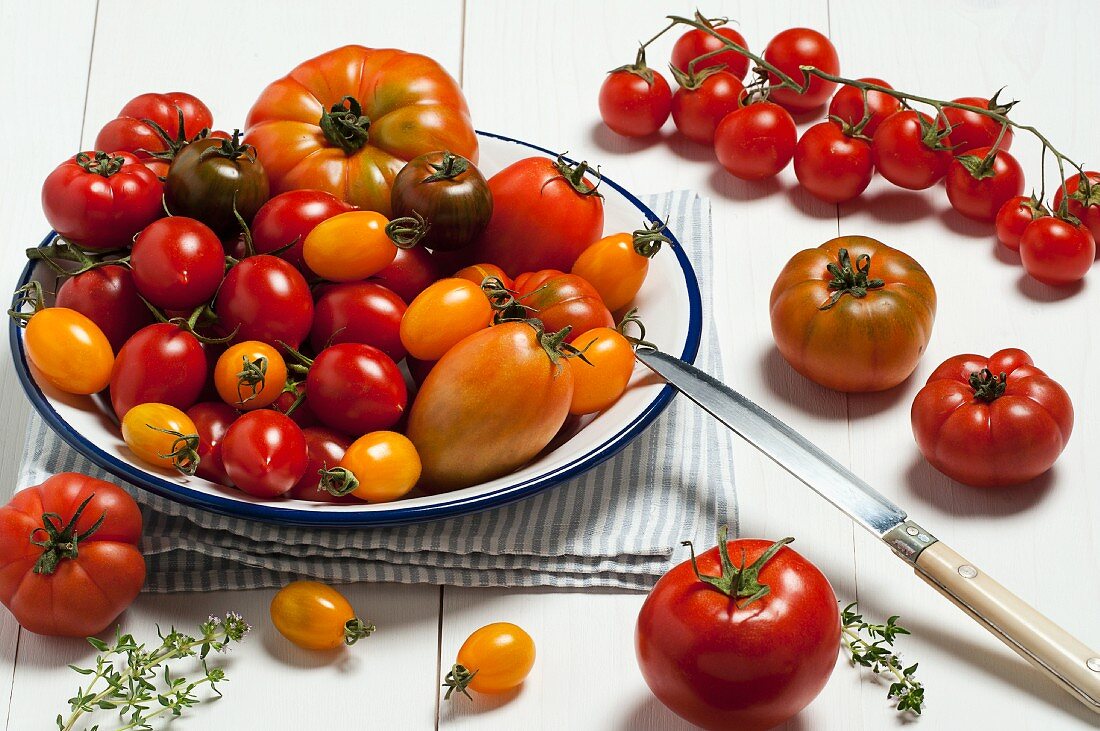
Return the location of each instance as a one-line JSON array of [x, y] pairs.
[[788, 82]]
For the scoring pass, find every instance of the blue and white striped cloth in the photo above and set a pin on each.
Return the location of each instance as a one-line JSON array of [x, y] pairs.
[[618, 525]]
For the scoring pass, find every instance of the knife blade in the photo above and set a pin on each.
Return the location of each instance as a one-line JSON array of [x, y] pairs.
[[1054, 651]]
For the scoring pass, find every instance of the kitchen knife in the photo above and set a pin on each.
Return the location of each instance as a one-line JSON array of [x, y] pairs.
[[1062, 657]]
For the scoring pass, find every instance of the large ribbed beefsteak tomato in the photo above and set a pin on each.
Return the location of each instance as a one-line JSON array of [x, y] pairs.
[[347, 121]]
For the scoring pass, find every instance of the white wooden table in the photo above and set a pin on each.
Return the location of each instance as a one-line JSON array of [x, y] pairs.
[[532, 70]]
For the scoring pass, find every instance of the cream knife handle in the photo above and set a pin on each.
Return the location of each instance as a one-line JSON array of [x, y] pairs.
[[1037, 639]]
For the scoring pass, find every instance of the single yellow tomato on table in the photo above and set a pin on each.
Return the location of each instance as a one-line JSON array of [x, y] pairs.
[[163, 436], [315, 616]]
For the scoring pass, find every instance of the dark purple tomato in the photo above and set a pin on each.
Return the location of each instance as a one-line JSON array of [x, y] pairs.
[[356, 389], [265, 298], [358, 312], [160, 363], [178, 263], [108, 297]]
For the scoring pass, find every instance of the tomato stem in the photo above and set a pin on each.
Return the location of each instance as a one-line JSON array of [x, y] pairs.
[[988, 387], [449, 168], [338, 481], [345, 125], [648, 240], [253, 375], [29, 294], [574, 174], [737, 582], [100, 163], [184, 451], [356, 629], [458, 679], [62, 540], [407, 231], [849, 280]]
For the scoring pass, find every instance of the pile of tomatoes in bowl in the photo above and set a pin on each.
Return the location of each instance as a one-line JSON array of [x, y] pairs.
[[335, 305]]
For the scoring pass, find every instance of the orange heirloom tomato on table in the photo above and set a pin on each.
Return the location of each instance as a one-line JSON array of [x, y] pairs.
[[315, 616], [490, 404], [993, 421], [563, 300], [163, 436], [494, 659], [349, 247], [69, 556], [853, 314], [347, 121]]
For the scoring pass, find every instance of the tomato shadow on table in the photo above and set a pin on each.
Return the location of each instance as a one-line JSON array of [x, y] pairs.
[[810, 206], [478, 704], [810, 398], [963, 226], [686, 149], [648, 712], [926, 483], [282, 651], [609, 141], [734, 189], [1036, 291], [893, 205], [1005, 255]]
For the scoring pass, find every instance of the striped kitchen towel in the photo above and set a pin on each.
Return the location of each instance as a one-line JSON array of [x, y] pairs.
[[618, 525]]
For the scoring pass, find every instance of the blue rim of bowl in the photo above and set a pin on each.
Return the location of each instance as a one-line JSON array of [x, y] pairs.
[[396, 515]]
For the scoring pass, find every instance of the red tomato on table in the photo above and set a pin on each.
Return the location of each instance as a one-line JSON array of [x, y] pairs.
[[831, 165], [911, 150], [991, 422], [848, 106], [696, 42], [635, 102], [161, 363], [755, 142], [970, 130], [797, 47], [264, 453], [565, 300], [545, 213], [108, 297], [721, 655], [85, 572], [1084, 199], [131, 131], [979, 183], [287, 219]]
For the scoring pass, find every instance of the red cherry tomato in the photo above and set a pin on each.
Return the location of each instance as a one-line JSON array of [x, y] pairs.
[[1014, 216], [324, 450], [756, 141], [131, 130], [970, 130], [832, 166], [978, 185], [700, 104], [731, 662], [1084, 200], [264, 453], [847, 104], [545, 213], [990, 422], [530, 281], [566, 300], [108, 297], [1056, 252], [161, 364], [910, 152], [212, 420], [797, 47], [635, 103], [412, 271], [178, 263], [358, 312], [99, 200], [355, 389], [265, 298], [696, 43], [289, 217]]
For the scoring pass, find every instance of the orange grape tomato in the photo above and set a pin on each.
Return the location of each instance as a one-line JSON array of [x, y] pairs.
[[163, 436], [349, 247], [494, 659], [250, 375], [69, 350], [315, 616], [614, 268], [477, 274], [442, 315], [385, 465], [599, 385]]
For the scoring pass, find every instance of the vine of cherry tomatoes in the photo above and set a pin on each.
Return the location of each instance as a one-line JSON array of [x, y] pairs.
[[867, 129]]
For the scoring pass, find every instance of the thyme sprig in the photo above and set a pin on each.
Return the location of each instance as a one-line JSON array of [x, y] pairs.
[[139, 683], [875, 651]]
